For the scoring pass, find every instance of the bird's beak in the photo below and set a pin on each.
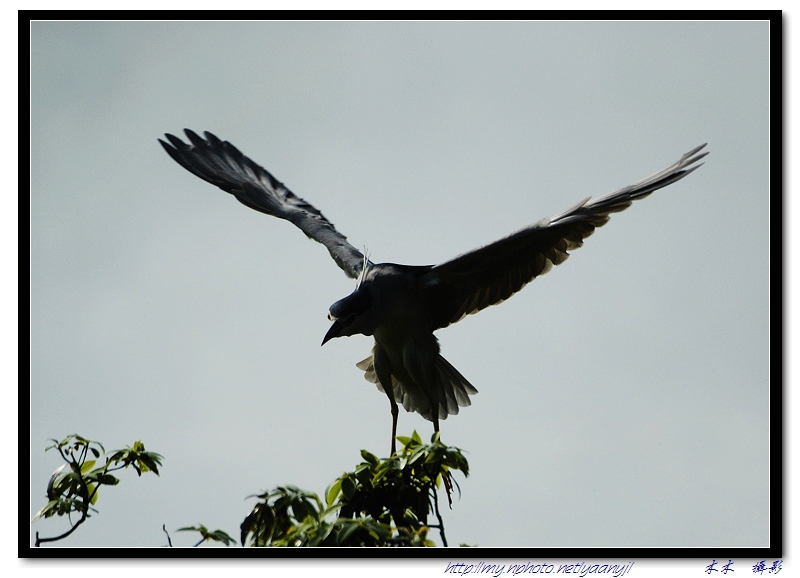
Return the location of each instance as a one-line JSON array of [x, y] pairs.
[[334, 331]]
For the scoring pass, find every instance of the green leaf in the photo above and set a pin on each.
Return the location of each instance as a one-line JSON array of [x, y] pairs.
[[301, 510], [49, 510], [381, 472], [348, 487], [220, 536], [199, 528], [333, 492], [216, 535], [101, 478], [120, 456], [87, 465], [348, 527], [371, 458], [152, 460], [91, 488], [416, 454]]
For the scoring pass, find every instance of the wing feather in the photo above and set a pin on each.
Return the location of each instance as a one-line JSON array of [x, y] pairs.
[[223, 165], [491, 274]]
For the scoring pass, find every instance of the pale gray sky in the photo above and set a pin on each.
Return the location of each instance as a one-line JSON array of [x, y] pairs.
[[623, 397]]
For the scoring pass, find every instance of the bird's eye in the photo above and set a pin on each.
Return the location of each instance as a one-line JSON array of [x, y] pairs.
[[330, 317]]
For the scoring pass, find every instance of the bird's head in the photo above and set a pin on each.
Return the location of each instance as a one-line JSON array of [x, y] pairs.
[[351, 315]]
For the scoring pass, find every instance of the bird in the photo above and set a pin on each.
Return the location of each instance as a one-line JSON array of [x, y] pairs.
[[401, 306]]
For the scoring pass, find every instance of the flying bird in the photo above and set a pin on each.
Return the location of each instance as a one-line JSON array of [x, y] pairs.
[[402, 305]]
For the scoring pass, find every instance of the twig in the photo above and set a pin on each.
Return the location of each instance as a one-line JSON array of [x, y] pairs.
[[439, 515], [169, 540], [62, 536]]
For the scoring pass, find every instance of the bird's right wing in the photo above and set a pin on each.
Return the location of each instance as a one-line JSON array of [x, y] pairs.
[[494, 272], [221, 164]]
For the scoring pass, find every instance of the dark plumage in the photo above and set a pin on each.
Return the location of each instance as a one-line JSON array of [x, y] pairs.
[[402, 305]]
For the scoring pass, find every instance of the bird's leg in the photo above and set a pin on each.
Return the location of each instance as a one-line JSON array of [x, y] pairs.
[[395, 411], [383, 370]]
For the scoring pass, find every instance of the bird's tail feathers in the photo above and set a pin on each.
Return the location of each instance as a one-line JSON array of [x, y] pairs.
[[450, 391]]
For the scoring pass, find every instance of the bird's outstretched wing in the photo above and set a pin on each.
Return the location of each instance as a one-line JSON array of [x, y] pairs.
[[221, 164], [491, 274]]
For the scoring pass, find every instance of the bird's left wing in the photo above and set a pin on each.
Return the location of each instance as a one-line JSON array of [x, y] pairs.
[[221, 164], [491, 274]]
